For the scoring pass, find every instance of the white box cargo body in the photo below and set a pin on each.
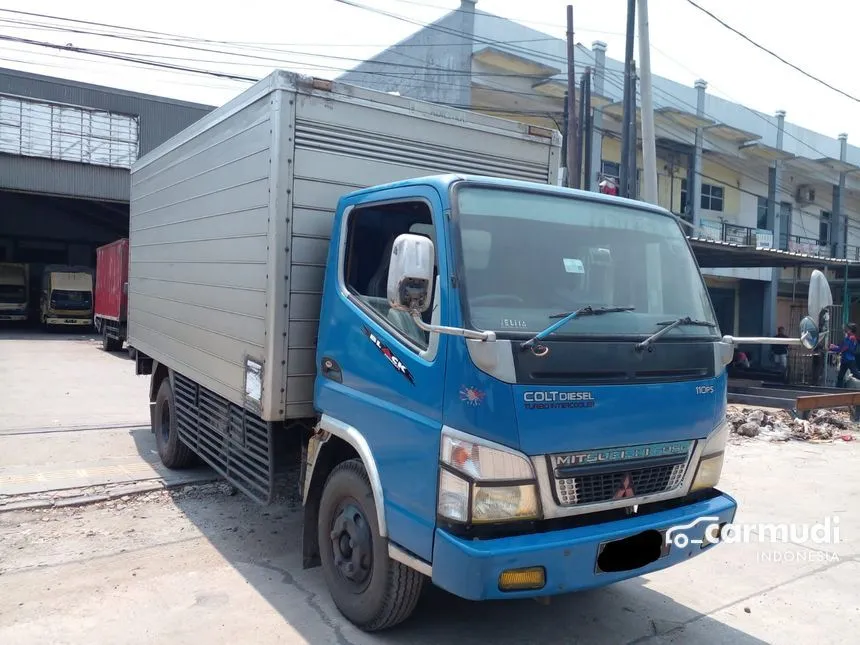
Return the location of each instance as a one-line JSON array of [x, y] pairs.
[[230, 221]]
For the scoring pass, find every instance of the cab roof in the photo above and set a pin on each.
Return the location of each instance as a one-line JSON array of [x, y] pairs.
[[443, 183]]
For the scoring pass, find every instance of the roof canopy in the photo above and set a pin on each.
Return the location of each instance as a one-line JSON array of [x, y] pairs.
[[712, 254]]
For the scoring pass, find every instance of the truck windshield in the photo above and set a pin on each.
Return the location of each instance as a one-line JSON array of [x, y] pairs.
[[527, 256], [71, 299], [12, 293]]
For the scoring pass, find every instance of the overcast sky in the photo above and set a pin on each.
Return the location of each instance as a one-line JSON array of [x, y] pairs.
[[325, 37]]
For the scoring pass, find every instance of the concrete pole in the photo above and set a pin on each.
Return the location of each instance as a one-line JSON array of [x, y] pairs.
[[841, 215], [843, 229], [628, 136], [597, 83], [649, 145], [777, 166], [694, 196], [574, 167], [774, 217]]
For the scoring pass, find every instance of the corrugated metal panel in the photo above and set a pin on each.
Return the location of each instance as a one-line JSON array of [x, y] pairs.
[[343, 145], [228, 263], [199, 250], [159, 119], [63, 178]]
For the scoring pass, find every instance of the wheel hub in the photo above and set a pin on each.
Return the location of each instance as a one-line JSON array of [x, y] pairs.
[[352, 544]]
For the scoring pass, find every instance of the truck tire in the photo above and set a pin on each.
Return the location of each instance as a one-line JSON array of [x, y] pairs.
[[370, 589], [110, 344], [173, 453]]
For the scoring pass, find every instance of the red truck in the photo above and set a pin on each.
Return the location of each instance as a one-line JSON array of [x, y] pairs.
[[112, 294]]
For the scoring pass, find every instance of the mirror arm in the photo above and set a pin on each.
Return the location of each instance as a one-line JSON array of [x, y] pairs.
[[760, 340], [488, 336]]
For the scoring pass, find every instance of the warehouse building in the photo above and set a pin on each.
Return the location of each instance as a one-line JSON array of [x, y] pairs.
[[65, 153]]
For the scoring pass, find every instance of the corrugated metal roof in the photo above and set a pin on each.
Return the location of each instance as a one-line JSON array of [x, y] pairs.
[[718, 254]]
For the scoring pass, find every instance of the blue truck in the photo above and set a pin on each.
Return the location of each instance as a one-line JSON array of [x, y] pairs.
[[501, 387]]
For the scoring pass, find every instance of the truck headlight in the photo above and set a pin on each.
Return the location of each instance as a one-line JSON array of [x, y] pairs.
[[710, 465], [484, 482]]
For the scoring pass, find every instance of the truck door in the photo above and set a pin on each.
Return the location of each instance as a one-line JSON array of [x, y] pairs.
[[390, 378]]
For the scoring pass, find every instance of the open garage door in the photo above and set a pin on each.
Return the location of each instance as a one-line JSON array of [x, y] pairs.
[[40, 230]]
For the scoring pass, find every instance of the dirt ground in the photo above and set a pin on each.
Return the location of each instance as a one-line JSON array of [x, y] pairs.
[[200, 562]]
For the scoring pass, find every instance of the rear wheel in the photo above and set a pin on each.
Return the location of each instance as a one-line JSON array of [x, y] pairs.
[[370, 589], [173, 453], [110, 344]]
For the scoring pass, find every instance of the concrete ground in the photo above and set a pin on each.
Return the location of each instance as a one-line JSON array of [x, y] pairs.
[[197, 562], [75, 419]]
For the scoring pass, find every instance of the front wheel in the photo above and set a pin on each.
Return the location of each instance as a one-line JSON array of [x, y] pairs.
[[370, 589]]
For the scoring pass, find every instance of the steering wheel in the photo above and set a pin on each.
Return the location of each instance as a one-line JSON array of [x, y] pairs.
[[503, 297]]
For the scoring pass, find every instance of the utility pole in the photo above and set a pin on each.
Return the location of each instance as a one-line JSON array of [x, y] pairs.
[[631, 150], [587, 127], [649, 145], [624, 188], [565, 133], [581, 135], [573, 167]]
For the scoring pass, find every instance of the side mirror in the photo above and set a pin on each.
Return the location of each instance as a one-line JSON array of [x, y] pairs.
[[410, 273], [820, 297], [809, 334]]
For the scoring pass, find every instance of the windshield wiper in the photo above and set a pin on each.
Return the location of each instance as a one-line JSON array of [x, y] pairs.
[[686, 321], [566, 317]]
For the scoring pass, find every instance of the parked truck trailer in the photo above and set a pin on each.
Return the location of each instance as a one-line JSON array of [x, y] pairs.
[[479, 362], [111, 295]]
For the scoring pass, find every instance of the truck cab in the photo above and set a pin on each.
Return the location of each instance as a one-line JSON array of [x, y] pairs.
[[67, 296], [14, 292], [534, 378]]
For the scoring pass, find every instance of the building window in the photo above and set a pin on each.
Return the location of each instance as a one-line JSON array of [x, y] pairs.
[[761, 215], [711, 200], [67, 133], [611, 170], [712, 197], [824, 228]]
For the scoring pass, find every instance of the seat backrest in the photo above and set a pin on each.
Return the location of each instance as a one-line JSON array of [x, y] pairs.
[[377, 286]]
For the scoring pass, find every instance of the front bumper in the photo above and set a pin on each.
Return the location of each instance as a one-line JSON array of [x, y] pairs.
[[471, 568], [13, 316], [60, 320]]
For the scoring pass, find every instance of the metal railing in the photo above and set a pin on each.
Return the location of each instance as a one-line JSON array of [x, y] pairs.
[[807, 245], [735, 234], [852, 252]]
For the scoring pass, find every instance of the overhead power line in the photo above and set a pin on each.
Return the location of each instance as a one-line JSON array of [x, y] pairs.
[[103, 54], [772, 53]]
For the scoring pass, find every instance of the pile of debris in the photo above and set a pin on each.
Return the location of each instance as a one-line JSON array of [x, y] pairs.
[[780, 425]]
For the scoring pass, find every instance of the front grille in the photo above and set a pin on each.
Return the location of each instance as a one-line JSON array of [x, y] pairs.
[[604, 487], [626, 472]]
